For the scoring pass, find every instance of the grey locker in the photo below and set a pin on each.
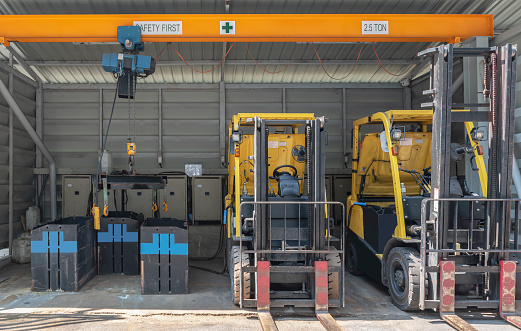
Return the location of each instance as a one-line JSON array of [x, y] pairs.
[[207, 198], [75, 195], [140, 201], [176, 198]]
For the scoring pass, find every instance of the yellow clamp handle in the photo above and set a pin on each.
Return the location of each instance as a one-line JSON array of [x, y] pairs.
[[106, 211], [95, 212], [165, 206], [154, 206]]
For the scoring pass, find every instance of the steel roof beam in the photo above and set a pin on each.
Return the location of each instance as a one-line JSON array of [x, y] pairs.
[[228, 62], [24, 65], [508, 36], [215, 86]]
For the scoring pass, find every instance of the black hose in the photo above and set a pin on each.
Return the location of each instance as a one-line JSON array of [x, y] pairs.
[[220, 273], [217, 252]]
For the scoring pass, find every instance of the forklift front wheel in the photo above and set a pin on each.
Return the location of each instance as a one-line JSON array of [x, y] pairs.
[[403, 275], [352, 260], [235, 280]]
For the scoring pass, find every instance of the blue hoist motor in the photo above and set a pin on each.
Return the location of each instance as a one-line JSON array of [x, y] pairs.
[[128, 65]]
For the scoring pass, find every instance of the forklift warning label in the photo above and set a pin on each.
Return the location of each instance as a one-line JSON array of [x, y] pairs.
[[273, 144], [160, 27], [406, 142]]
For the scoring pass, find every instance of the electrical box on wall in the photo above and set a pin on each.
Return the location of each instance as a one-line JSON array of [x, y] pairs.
[[140, 201], [176, 198], [207, 198], [75, 195]]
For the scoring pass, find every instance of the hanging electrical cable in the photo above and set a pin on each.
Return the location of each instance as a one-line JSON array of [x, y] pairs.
[[203, 72], [273, 72], [107, 133], [406, 71], [164, 47], [350, 72]]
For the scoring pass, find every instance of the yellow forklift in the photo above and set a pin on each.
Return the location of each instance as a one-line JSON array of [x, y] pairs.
[[412, 221], [280, 251]]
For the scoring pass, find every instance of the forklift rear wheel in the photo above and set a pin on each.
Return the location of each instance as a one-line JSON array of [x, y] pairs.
[[246, 279], [403, 274], [352, 260], [333, 260]]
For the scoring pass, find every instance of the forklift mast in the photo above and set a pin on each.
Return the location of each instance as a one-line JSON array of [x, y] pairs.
[[280, 234], [457, 252]]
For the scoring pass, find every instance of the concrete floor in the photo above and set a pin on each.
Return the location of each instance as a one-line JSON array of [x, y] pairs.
[[115, 303]]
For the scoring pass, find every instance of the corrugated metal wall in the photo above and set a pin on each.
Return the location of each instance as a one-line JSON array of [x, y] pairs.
[[190, 122], [24, 156]]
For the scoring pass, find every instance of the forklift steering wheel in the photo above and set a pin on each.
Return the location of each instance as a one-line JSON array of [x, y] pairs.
[[276, 172]]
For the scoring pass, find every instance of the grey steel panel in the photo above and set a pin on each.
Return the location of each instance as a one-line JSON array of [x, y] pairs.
[[80, 96], [119, 127], [314, 96], [143, 110], [75, 195], [191, 127], [184, 96], [207, 198], [190, 111], [177, 198], [254, 96], [140, 201]]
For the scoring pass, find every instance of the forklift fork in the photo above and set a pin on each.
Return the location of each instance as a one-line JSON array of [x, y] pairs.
[[448, 297], [263, 296], [507, 299], [321, 297]]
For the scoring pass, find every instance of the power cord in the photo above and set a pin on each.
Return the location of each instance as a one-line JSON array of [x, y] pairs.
[[107, 133]]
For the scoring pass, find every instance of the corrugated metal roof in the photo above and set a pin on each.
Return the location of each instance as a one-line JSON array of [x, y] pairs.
[[504, 11]]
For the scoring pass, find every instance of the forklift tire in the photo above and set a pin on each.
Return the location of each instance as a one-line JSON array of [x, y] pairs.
[[352, 260], [403, 276], [235, 280], [333, 260]]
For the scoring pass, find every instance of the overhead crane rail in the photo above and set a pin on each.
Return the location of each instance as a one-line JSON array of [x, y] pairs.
[[248, 27]]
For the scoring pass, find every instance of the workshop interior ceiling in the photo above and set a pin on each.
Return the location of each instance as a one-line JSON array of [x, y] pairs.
[[72, 63]]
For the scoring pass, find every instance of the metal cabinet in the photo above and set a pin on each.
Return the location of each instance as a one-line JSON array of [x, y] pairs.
[[140, 201], [75, 195], [176, 198], [207, 198]]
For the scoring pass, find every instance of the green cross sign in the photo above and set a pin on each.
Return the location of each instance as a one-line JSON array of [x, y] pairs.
[[227, 27]]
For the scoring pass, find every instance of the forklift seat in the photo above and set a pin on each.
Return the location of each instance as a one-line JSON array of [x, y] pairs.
[[289, 186]]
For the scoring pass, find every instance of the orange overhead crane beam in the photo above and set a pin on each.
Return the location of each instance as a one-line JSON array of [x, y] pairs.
[[247, 27]]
